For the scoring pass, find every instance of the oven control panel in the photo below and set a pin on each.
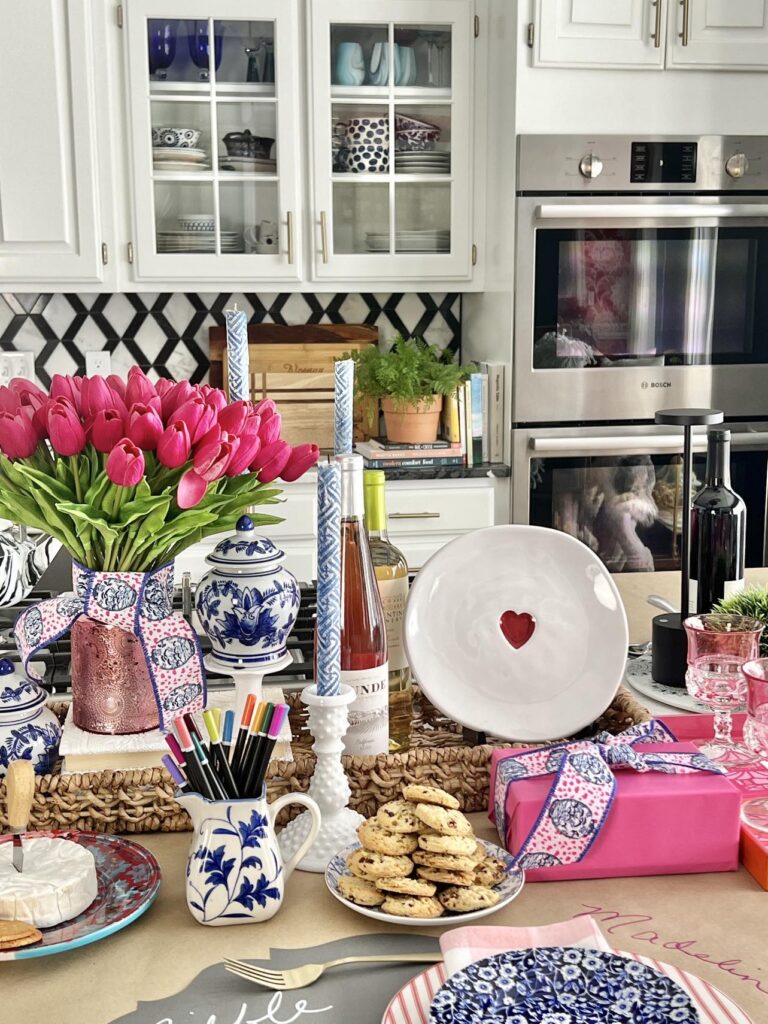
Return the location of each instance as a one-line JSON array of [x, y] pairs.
[[619, 163]]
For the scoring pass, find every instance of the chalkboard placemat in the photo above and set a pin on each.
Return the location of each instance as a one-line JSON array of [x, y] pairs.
[[354, 994]]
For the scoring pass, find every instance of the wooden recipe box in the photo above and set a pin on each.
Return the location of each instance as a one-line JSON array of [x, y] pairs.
[[294, 366]]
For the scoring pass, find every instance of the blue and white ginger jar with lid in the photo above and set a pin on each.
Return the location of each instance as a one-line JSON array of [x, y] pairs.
[[248, 602], [28, 729]]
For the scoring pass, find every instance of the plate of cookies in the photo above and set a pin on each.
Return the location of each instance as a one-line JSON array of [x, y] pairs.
[[418, 861]]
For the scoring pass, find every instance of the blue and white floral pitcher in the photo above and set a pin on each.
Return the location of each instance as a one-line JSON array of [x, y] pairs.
[[235, 872]]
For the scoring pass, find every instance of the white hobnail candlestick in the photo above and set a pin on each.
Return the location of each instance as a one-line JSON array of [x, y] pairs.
[[247, 680], [329, 786]]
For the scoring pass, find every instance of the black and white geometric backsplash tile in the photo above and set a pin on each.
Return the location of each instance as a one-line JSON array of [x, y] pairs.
[[168, 333]]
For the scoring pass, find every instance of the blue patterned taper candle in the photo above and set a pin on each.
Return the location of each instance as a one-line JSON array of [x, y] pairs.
[[344, 400], [328, 579], [238, 375]]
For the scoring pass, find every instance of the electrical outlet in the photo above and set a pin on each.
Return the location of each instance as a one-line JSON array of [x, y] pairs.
[[16, 364], [98, 364]]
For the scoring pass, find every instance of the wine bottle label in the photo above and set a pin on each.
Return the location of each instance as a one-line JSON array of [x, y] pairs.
[[368, 731], [394, 596], [729, 587]]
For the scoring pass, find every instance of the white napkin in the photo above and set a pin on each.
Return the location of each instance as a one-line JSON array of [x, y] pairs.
[[464, 946]]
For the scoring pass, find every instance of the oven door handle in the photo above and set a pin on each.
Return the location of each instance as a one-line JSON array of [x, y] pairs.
[[648, 444], [627, 211]]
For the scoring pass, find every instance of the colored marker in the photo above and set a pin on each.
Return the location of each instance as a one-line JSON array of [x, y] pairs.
[[223, 771], [226, 735], [267, 746], [241, 766], [242, 733], [219, 793], [182, 786], [252, 754], [194, 769], [194, 728]]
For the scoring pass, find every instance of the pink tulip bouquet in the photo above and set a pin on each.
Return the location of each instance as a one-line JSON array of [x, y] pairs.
[[127, 473]]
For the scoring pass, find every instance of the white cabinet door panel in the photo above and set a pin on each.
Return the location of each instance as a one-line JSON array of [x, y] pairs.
[[718, 33], [599, 33], [48, 182]]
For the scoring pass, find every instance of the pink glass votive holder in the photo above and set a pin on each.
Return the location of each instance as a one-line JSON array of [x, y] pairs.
[[755, 812]]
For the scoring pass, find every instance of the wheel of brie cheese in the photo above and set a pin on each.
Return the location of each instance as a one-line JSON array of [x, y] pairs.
[[58, 882]]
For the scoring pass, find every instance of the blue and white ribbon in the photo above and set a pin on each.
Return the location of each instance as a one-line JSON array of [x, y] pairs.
[[238, 372], [344, 397]]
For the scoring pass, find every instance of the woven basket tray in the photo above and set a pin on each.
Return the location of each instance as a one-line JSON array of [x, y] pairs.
[[142, 801]]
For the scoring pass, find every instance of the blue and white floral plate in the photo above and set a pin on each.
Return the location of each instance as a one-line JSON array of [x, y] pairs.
[[508, 889], [561, 985]]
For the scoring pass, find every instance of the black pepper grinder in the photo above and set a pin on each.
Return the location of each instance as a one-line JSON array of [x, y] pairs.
[[669, 646]]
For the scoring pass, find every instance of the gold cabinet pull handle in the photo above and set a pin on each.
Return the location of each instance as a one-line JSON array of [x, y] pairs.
[[657, 27], [324, 234], [289, 226], [686, 5]]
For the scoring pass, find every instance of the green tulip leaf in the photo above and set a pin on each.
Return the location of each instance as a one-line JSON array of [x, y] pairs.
[[91, 517]]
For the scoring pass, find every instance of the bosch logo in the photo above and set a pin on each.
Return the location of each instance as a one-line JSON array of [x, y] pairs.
[[656, 384]]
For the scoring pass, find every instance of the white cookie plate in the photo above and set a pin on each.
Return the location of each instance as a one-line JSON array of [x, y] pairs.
[[508, 889]]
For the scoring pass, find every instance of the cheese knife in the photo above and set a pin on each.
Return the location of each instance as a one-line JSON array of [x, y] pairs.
[[20, 791]]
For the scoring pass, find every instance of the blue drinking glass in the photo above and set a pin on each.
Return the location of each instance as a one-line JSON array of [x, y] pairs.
[[161, 45], [198, 46]]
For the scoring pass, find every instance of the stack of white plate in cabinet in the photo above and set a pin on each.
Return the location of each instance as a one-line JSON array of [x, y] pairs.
[[423, 162], [248, 164], [429, 240], [198, 241], [175, 158]]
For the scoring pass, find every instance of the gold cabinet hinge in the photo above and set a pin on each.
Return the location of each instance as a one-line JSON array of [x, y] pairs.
[[104, 253], [474, 255], [477, 25], [119, 15], [529, 34], [129, 252]]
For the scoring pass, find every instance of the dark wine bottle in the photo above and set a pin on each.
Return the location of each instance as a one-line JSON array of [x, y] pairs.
[[718, 531], [363, 628]]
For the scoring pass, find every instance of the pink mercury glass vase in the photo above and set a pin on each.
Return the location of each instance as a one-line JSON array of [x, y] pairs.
[[111, 688]]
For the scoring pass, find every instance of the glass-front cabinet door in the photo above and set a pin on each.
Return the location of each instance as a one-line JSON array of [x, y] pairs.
[[391, 100], [213, 115]]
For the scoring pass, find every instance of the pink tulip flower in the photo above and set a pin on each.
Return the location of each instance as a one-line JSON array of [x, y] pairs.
[[191, 490], [210, 460], [303, 457], [163, 386], [191, 412], [18, 437], [125, 465], [105, 429], [270, 429], [64, 428], [139, 389], [214, 397], [174, 446], [117, 384], [212, 436], [265, 408], [69, 388], [144, 426], [271, 461], [175, 397], [9, 401], [232, 418], [98, 395], [22, 386], [249, 447]]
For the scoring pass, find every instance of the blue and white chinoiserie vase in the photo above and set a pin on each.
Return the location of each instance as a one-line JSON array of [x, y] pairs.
[[28, 729], [248, 602], [235, 871]]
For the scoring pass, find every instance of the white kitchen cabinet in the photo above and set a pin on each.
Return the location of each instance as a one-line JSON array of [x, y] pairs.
[[600, 33], [50, 224], [422, 516], [224, 205], [391, 139], [726, 34]]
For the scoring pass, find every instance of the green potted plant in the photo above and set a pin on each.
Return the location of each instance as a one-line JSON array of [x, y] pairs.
[[410, 381], [752, 602]]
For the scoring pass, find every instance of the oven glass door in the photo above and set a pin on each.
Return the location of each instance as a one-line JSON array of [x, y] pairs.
[[653, 296], [628, 508]]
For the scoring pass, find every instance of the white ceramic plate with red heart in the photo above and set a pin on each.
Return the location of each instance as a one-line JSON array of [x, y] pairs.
[[517, 631]]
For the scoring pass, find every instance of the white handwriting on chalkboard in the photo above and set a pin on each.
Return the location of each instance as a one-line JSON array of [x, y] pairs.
[[300, 1009]]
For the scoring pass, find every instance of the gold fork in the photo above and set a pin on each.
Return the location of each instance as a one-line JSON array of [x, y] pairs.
[[299, 977]]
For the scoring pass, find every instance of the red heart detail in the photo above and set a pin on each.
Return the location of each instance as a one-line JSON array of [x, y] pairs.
[[517, 627]]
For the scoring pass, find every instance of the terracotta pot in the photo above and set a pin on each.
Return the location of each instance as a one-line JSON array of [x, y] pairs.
[[111, 688], [413, 424]]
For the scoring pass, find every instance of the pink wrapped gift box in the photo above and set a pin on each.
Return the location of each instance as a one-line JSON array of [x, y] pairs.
[[659, 824]]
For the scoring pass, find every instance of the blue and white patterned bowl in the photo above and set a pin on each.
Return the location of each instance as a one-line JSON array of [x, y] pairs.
[[507, 889], [561, 985]]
